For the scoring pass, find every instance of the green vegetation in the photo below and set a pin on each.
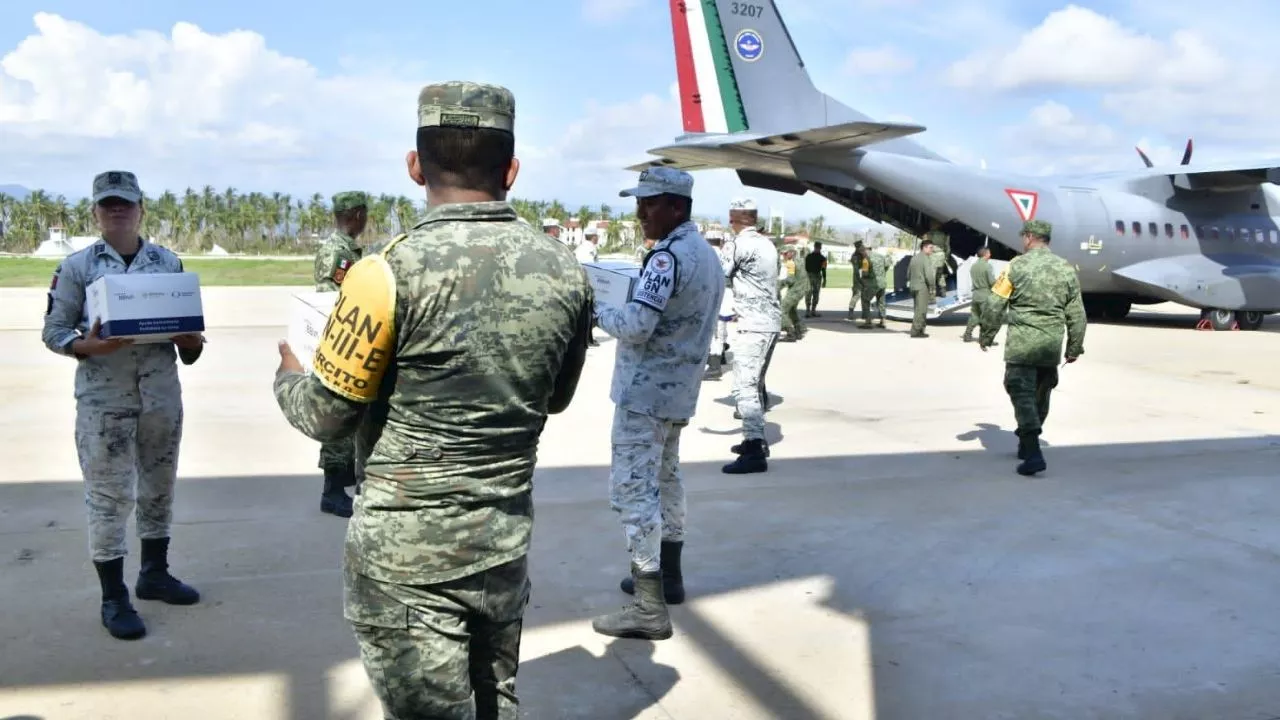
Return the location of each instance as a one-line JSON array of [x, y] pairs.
[[277, 224], [36, 272]]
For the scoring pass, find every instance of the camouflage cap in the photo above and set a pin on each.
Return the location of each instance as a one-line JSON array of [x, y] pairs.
[[1039, 228], [117, 184], [466, 105], [349, 200]]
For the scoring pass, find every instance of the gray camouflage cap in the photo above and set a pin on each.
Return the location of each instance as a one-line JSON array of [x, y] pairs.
[[118, 184], [466, 105]]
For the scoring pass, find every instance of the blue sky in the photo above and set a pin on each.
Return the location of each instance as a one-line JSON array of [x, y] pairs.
[[326, 101]]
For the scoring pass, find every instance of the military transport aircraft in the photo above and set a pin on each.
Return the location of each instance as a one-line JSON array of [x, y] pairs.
[[1198, 235]]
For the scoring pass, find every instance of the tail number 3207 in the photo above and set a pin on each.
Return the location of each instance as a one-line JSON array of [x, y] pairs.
[[745, 10]]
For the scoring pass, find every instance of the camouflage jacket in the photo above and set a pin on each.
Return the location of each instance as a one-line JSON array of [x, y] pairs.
[[121, 377], [443, 355], [752, 267], [664, 331], [1040, 293], [334, 258], [869, 272]]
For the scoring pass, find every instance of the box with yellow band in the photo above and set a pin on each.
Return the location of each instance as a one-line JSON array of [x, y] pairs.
[[1003, 287], [358, 339]]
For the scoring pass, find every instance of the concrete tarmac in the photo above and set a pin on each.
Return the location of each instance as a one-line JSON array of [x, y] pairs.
[[889, 565]]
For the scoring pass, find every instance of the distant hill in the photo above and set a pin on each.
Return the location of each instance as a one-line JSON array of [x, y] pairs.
[[15, 191]]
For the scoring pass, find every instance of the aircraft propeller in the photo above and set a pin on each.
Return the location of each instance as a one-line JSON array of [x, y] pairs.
[[1186, 154]]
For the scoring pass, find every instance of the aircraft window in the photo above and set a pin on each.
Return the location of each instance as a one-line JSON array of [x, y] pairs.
[[1213, 233], [1155, 229], [1168, 229], [1137, 228], [1260, 236], [1199, 232], [1119, 227], [1229, 233], [1186, 233], [1275, 237]]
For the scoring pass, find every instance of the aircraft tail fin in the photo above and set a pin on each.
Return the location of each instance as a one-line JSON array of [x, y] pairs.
[[738, 70]]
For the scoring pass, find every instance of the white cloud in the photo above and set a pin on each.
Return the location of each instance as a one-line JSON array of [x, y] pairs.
[[607, 11], [884, 60], [1079, 47]]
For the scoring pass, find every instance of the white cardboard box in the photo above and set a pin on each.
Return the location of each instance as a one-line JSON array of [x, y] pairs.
[[612, 284], [309, 315], [146, 307]]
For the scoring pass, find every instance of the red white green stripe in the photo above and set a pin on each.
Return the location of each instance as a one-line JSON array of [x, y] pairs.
[[709, 98]]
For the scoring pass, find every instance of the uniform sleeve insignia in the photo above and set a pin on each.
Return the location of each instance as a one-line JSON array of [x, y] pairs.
[[357, 342], [340, 272]]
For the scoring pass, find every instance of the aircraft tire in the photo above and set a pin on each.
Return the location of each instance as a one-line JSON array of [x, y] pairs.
[[1216, 319], [1250, 319]]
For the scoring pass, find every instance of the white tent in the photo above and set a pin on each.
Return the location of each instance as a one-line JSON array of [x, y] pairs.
[[59, 245]]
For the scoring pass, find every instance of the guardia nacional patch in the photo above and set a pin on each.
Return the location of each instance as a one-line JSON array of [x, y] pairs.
[[356, 345], [657, 281]]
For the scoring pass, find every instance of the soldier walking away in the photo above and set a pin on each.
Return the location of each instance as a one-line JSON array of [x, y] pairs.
[[797, 287], [752, 267], [869, 271], [942, 248], [128, 408], [982, 276], [662, 334], [436, 574], [921, 280], [1041, 291], [815, 266], [335, 256]]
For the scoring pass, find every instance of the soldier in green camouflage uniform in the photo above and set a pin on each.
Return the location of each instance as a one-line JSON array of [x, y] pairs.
[[1041, 293], [941, 256], [797, 285], [448, 349], [868, 282], [982, 276], [334, 258]]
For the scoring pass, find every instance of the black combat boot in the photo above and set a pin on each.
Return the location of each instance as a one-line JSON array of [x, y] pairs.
[[333, 499], [644, 619], [154, 580], [672, 579], [715, 370], [724, 353], [1034, 460], [751, 460], [118, 615], [741, 448]]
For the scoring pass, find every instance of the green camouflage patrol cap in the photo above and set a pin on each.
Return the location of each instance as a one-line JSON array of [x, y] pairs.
[[349, 200], [118, 184], [466, 105], [1039, 228]]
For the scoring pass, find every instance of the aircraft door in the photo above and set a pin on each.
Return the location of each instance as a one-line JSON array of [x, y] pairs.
[[1086, 241]]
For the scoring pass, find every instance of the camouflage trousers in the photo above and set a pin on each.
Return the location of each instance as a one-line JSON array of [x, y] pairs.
[[1029, 388], [751, 356], [645, 485], [129, 459], [792, 323], [815, 289], [448, 650], [872, 296], [920, 309]]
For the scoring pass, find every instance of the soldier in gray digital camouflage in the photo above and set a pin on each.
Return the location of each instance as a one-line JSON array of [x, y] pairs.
[[922, 282], [752, 267], [1040, 293], [869, 271], [663, 333], [128, 407], [334, 258], [982, 276], [449, 348]]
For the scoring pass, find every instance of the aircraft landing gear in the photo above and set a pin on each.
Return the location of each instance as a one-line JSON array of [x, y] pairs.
[[1215, 319]]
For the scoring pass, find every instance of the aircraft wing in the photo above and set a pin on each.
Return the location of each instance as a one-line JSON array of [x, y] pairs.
[[1222, 176], [752, 151]]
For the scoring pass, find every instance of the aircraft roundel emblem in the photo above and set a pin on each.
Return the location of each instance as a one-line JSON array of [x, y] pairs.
[[749, 45]]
